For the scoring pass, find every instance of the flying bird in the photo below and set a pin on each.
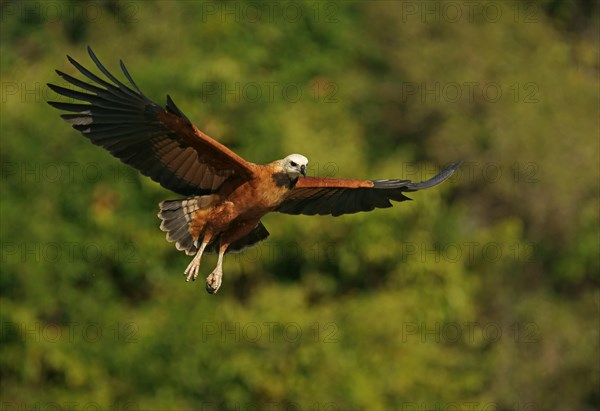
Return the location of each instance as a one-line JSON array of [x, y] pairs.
[[225, 195]]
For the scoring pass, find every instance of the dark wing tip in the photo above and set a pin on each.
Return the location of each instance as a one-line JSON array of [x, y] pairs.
[[54, 104], [172, 107], [454, 166], [71, 60], [436, 180]]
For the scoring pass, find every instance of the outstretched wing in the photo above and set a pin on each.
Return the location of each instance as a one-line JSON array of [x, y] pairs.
[[337, 196], [159, 142]]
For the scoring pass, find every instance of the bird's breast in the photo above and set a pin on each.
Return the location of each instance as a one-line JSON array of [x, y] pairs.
[[259, 196]]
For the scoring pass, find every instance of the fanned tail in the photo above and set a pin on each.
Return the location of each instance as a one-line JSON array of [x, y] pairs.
[[184, 221]]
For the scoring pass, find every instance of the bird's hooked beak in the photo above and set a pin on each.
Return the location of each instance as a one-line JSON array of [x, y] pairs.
[[303, 170]]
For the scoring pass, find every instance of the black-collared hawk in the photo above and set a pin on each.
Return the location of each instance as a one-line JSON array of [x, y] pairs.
[[226, 196]]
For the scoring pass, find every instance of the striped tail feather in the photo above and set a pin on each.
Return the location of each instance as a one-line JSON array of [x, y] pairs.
[[180, 218]]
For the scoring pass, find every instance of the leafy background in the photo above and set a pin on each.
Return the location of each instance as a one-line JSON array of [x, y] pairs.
[[481, 293]]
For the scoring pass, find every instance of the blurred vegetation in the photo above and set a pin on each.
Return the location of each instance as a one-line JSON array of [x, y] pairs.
[[484, 290]]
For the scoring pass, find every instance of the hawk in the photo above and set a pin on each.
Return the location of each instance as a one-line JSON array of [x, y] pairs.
[[225, 195]]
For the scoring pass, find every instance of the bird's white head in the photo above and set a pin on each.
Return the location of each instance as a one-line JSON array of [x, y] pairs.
[[294, 165]]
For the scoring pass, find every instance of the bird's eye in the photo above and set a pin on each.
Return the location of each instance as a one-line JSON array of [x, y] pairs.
[[293, 164]]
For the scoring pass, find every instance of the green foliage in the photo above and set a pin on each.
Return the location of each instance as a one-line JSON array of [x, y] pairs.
[[483, 290]]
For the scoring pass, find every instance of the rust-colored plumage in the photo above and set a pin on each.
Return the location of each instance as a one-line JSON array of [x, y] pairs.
[[226, 196]]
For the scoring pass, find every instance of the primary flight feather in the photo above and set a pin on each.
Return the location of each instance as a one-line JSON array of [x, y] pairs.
[[226, 195]]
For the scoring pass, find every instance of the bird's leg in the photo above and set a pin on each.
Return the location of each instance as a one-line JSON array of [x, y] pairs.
[[213, 281], [194, 267]]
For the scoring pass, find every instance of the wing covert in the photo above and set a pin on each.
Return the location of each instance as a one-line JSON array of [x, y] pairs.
[[335, 196], [159, 142]]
